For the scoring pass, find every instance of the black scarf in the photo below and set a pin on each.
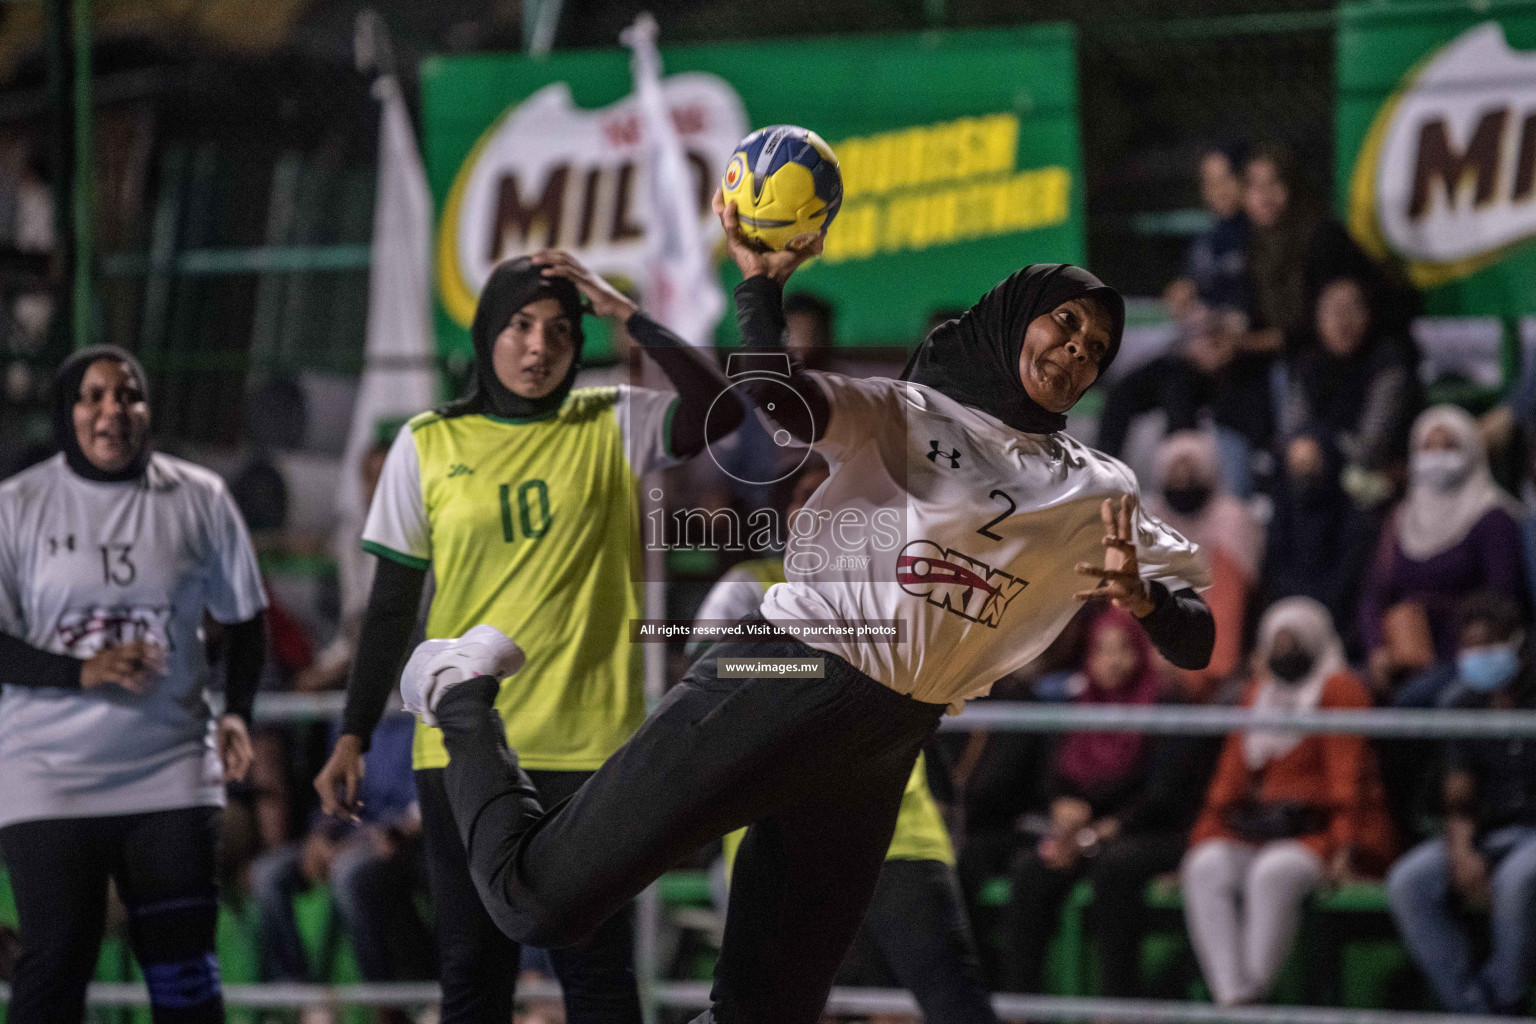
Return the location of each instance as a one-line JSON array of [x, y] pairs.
[[975, 359], [66, 392], [513, 285]]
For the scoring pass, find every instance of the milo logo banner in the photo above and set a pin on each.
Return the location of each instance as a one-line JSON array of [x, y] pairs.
[[959, 150], [1437, 147]]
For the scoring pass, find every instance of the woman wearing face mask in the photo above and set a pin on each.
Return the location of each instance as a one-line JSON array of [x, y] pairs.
[[1190, 498], [983, 517], [1285, 812], [1487, 852], [520, 498], [1455, 534], [113, 768]]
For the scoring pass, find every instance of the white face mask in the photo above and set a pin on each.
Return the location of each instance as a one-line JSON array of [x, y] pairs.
[[1439, 469]]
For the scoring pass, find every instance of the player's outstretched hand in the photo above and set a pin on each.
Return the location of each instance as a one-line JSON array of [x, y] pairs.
[[1120, 576], [342, 777], [135, 666], [754, 259], [234, 745], [607, 301]]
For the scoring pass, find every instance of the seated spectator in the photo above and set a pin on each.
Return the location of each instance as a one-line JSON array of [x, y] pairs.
[[1093, 778], [1190, 498], [1486, 856], [372, 869], [1286, 811], [1211, 296], [1319, 541], [1454, 535], [1353, 385]]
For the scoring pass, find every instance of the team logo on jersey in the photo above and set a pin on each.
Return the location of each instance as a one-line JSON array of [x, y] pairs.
[[459, 469], [84, 631], [935, 453], [956, 582]]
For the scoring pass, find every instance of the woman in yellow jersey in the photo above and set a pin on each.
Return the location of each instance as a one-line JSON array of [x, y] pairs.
[[520, 499]]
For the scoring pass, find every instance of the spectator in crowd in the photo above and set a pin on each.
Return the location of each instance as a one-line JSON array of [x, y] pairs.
[[372, 866], [1454, 535], [1285, 813], [1190, 498], [1094, 777], [1319, 541], [1295, 249], [1211, 297], [1486, 855], [1355, 386]]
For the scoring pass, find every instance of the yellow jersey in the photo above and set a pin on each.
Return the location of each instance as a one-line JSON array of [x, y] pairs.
[[530, 526]]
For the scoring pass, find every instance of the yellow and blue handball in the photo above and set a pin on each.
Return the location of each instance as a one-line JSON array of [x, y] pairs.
[[785, 183]]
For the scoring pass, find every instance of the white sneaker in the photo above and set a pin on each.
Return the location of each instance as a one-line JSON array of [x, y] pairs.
[[438, 665]]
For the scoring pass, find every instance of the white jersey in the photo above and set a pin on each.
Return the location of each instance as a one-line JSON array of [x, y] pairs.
[[84, 565], [971, 532]]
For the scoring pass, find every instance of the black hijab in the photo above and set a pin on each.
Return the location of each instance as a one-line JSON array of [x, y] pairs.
[[66, 392], [975, 359], [513, 285]]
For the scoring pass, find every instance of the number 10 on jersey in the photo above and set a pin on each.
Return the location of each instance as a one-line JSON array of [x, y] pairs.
[[533, 515]]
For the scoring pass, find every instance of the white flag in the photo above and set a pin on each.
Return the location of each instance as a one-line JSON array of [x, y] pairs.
[[681, 290], [399, 375]]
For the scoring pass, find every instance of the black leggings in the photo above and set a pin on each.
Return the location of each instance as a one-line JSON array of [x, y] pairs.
[[164, 863], [916, 936], [477, 963], [816, 767]]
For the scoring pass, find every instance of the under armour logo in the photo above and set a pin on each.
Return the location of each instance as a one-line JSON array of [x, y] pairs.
[[935, 454], [459, 469]]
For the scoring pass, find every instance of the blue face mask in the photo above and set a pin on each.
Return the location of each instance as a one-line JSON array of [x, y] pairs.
[[1486, 669]]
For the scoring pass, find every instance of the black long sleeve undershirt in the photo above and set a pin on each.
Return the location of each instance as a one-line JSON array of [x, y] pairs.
[[1181, 626], [245, 647], [25, 665], [382, 644], [760, 315], [704, 411]]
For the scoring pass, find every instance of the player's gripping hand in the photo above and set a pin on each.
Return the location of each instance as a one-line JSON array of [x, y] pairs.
[[342, 777], [754, 259], [135, 666], [1120, 576], [607, 301]]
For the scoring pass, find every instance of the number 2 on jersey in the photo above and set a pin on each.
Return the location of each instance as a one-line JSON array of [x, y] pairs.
[[533, 513], [986, 531]]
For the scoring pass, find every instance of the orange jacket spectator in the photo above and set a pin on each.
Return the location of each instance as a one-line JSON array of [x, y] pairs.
[[1334, 773]]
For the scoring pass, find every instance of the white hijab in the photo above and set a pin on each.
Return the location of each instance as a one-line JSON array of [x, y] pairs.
[[1432, 521], [1310, 625]]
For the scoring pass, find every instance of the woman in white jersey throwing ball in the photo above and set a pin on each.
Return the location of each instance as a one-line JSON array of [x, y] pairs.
[[1004, 521], [112, 766]]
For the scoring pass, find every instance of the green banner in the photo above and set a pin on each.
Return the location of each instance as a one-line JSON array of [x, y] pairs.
[[959, 150], [1436, 147]]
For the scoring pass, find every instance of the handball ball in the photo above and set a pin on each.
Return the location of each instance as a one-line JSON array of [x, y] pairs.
[[785, 183]]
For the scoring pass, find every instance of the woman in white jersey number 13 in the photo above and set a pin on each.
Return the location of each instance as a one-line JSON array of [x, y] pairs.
[[989, 518], [113, 766]]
